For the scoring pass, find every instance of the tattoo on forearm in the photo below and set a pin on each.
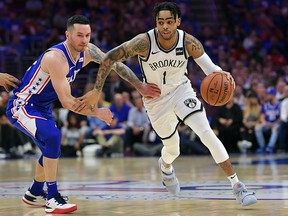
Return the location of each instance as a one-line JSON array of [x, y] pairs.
[[95, 53], [102, 75], [121, 53], [126, 73]]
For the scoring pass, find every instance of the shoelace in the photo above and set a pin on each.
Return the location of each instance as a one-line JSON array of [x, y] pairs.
[[44, 195], [61, 199]]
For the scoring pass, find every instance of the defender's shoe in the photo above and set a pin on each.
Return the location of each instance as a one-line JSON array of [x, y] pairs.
[[170, 181], [33, 200], [243, 197], [58, 205]]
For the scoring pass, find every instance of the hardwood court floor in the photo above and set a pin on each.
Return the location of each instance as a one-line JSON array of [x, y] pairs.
[[131, 186]]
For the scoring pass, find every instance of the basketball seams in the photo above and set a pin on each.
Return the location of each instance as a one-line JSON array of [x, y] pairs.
[[220, 89]]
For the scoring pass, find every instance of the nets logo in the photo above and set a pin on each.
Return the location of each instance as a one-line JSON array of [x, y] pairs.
[[179, 51], [191, 103]]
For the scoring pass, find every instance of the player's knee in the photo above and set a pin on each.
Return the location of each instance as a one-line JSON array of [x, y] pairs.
[[216, 148], [52, 144]]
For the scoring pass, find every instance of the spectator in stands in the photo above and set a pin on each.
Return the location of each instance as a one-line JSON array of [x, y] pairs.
[[116, 85], [268, 123], [239, 97], [137, 123], [127, 98], [251, 115], [261, 92], [283, 129], [150, 145], [226, 125], [110, 138], [280, 87], [72, 136], [120, 109]]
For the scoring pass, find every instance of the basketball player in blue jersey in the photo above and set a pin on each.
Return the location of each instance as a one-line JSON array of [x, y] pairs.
[[163, 53], [8, 80], [48, 79]]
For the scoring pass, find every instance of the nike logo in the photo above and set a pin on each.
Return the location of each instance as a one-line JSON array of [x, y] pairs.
[[154, 52], [72, 67], [51, 183], [233, 176]]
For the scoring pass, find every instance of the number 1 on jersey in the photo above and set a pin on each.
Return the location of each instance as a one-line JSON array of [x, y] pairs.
[[164, 77]]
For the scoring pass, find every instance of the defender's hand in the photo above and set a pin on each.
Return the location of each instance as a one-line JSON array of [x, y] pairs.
[[90, 99], [104, 114], [149, 90], [8, 80]]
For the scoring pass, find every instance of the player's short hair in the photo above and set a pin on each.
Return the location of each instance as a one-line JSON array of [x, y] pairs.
[[170, 6], [77, 19]]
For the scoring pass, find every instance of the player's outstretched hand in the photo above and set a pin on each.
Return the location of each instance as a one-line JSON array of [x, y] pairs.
[[104, 114], [149, 90], [90, 99], [229, 76], [8, 80]]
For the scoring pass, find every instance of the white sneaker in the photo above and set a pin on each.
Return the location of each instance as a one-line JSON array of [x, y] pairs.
[[58, 205], [33, 200], [243, 197], [170, 181]]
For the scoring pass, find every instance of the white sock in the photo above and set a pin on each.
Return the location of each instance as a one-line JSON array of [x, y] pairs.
[[233, 179]]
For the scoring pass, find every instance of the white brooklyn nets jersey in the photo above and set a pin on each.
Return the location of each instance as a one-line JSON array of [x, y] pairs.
[[166, 68]]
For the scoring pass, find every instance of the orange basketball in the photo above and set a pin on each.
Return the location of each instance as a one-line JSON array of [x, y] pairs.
[[216, 89]]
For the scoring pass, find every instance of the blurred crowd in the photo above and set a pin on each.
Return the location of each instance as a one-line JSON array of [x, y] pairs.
[[250, 40]]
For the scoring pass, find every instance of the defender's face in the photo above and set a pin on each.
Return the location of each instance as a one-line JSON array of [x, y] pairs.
[[79, 37], [167, 25]]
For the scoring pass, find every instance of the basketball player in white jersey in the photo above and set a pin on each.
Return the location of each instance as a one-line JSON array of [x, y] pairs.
[[30, 107], [8, 80], [163, 54]]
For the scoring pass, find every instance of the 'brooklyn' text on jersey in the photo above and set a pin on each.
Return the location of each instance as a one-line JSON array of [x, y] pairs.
[[167, 63]]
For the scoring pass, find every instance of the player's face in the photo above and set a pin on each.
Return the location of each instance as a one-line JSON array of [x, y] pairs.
[[167, 25], [79, 37]]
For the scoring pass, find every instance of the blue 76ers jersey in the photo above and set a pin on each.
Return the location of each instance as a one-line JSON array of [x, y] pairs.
[[35, 92], [271, 111]]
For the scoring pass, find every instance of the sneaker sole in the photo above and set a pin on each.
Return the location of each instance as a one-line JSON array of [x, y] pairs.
[[61, 211], [32, 203]]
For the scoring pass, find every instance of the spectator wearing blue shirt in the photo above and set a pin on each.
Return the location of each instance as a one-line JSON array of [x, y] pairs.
[[269, 122], [120, 109], [110, 138], [137, 123]]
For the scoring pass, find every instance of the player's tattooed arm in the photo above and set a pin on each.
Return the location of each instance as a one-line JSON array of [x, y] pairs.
[[139, 45], [95, 53], [193, 46]]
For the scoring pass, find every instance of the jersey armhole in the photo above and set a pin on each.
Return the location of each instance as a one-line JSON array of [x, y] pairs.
[[145, 59], [186, 54]]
